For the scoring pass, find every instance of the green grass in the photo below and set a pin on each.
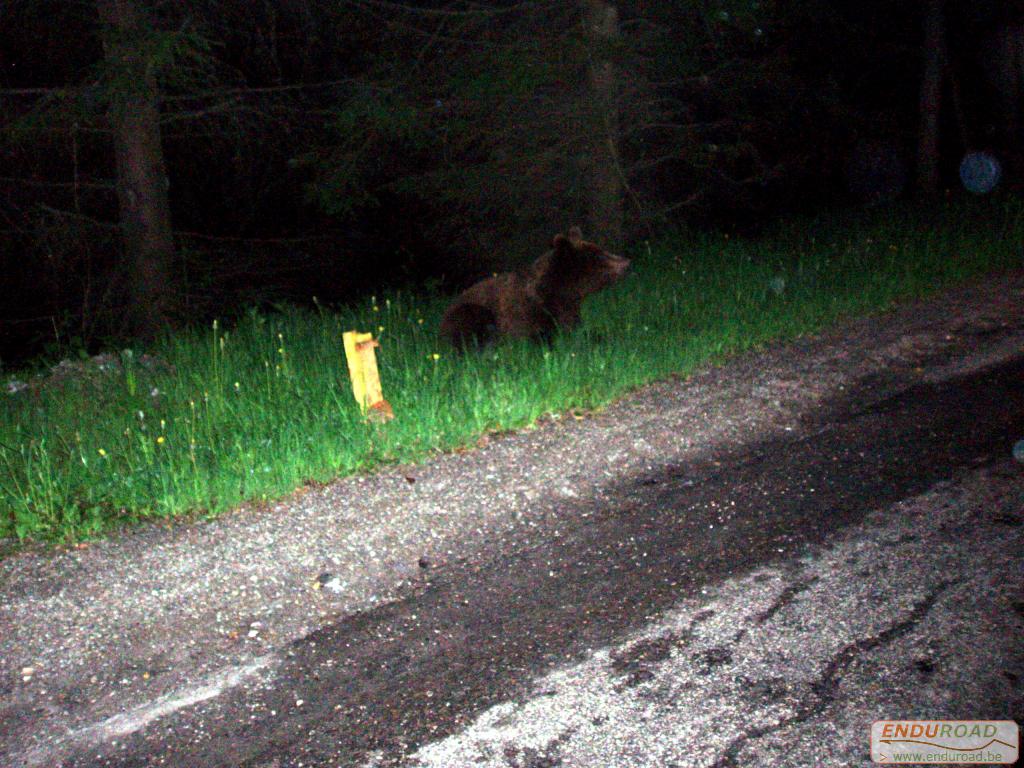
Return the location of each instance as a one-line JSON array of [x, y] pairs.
[[254, 412]]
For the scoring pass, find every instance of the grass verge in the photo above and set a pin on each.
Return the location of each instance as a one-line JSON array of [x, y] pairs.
[[254, 412]]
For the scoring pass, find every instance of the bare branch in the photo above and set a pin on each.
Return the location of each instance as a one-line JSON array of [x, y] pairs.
[[62, 214], [196, 114], [14, 181], [254, 90], [40, 91], [473, 9], [685, 202]]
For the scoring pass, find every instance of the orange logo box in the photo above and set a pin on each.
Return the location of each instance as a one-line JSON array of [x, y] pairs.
[[981, 742]]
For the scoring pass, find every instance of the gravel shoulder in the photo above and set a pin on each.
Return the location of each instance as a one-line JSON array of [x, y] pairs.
[[165, 614]]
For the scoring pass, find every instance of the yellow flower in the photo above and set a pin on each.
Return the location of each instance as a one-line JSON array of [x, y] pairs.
[[238, 387], [160, 440], [380, 329], [435, 356], [420, 321], [101, 452]]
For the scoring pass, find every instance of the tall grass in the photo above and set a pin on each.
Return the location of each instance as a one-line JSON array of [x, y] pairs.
[[257, 410]]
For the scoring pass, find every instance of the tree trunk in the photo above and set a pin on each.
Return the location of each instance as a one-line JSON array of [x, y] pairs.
[[931, 98], [605, 184], [1004, 56], [141, 175]]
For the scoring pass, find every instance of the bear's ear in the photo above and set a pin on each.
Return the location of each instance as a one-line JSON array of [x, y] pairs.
[[560, 241], [575, 235]]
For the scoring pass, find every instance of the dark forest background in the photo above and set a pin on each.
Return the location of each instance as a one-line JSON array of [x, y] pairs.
[[162, 163]]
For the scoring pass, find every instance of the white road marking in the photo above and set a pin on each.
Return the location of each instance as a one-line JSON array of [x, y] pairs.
[[125, 723]]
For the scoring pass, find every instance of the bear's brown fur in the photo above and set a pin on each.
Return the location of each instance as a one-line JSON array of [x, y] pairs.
[[536, 300]]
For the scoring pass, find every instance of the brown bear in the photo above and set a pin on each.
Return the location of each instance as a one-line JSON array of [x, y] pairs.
[[535, 300]]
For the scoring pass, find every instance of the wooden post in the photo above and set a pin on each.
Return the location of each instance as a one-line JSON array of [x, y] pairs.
[[362, 370]]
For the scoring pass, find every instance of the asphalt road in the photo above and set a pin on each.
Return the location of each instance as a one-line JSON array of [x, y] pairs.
[[758, 606]]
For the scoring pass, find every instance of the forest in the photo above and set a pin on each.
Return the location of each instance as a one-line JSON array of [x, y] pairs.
[[167, 163]]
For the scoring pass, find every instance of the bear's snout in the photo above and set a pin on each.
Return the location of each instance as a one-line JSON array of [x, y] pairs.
[[618, 264]]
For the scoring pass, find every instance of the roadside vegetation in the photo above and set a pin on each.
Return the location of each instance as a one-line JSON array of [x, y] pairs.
[[216, 416]]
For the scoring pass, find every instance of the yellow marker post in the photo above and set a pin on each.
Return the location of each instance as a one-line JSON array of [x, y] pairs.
[[362, 369]]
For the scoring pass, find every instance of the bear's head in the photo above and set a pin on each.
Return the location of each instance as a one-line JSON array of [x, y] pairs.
[[579, 268]]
